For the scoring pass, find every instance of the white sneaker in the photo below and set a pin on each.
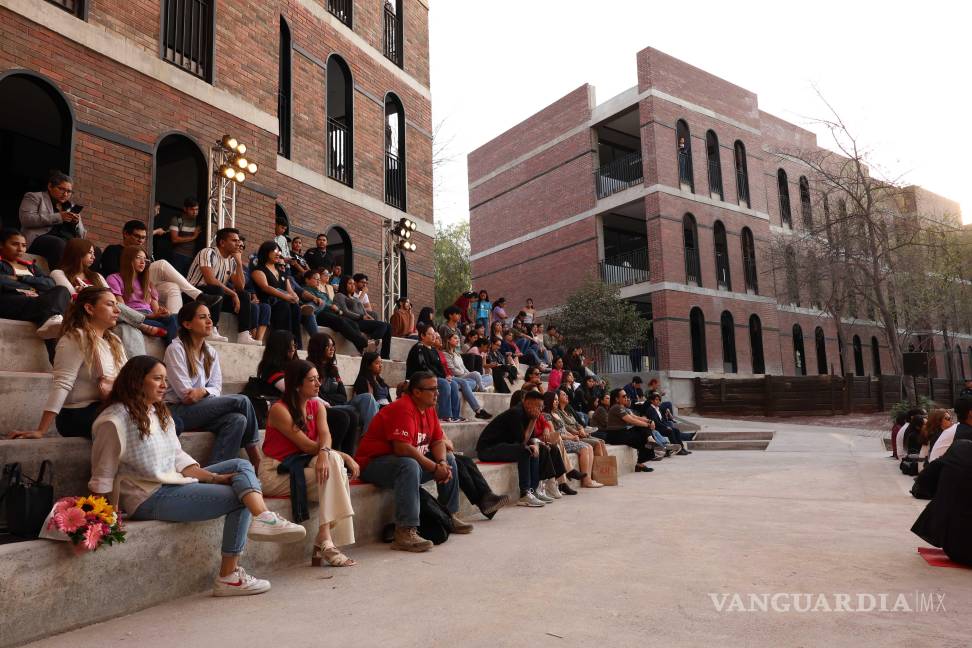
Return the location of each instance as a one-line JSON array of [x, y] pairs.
[[51, 328], [216, 337], [239, 583], [552, 490], [529, 499], [542, 495], [270, 527], [246, 338]]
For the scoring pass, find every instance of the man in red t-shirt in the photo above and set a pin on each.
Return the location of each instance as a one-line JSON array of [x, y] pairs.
[[404, 447]]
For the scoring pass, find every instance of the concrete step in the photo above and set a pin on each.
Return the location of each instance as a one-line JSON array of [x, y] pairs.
[[47, 590], [734, 435], [729, 445]]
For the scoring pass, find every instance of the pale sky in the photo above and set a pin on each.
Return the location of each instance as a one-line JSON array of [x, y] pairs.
[[898, 72]]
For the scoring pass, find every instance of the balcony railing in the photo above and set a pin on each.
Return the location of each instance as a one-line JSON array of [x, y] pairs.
[[625, 269], [749, 267], [619, 174], [723, 279], [693, 274], [394, 181], [715, 179], [643, 357], [393, 37], [340, 9], [685, 169], [187, 29], [75, 7], [339, 161], [742, 185]]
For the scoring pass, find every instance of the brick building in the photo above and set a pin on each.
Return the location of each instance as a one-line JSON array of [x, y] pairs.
[[669, 190], [331, 97]]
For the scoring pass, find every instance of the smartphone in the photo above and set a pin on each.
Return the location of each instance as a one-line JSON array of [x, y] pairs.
[[76, 209]]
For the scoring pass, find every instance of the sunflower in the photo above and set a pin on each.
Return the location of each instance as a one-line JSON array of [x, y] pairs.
[[93, 505]]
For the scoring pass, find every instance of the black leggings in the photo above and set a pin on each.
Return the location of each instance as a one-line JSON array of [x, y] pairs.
[[551, 462], [501, 374], [471, 480], [39, 309], [633, 437], [343, 424], [348, 329], [77, 421]]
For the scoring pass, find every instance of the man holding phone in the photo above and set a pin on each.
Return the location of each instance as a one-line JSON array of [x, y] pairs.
[[48, 219]]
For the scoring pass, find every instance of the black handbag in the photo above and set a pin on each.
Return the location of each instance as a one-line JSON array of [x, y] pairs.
[[28, 501]]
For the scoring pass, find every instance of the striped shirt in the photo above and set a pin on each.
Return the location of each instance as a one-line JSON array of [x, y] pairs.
[[222, 267]]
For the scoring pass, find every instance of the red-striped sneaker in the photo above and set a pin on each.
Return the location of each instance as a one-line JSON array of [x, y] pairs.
[[239, 583]]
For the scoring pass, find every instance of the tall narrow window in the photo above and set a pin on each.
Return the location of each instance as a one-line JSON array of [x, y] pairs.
[[858, 356], [74, 7], [756, 344], [728, 328], [393, 35], [805, 208], [876, 356], [840, 354], [340, 121], [284, 90], [697, 330], [690, 234], [715, 165], [742, 173], [792, 285], [394, 152], [783, 189], [683, 148], [799, 357], [749, 261], [341, 9], [187, 35], [821, 343], [723, 278]]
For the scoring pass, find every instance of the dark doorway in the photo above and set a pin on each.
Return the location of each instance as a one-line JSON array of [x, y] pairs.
[[36, 136], [876, 357], [821, 342], [728, 329], [180, 172], [756, 344], [697, 330], [799, 356], [339, 245], [858, 356]]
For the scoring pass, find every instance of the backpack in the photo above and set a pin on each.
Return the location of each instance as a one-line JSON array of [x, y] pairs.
[[261, 396], [435, 523]]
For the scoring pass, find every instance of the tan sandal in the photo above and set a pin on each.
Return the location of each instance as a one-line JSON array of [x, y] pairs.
[[332, 556]]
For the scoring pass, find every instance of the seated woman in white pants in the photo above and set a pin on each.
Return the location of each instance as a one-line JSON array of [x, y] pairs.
[[297, 437]]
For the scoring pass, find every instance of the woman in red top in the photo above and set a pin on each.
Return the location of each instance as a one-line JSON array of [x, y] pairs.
[[297, 425]]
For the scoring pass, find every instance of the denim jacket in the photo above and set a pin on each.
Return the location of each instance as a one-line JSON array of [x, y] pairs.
[[10, 282]]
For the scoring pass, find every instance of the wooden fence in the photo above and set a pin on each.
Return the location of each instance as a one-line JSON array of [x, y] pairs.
[[807, 395]]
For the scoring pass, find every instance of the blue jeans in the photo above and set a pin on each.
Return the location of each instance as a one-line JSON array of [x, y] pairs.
[[405, 476], [366, 406], [197, 502], [449, 402], [466, 387], [230, 417], [168, 324], [659, 438]]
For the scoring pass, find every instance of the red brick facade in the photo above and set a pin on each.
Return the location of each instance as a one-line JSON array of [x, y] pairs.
[[113, 173]]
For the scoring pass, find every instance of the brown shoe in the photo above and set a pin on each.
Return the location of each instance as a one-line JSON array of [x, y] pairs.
[[408, 539], [459, 526]]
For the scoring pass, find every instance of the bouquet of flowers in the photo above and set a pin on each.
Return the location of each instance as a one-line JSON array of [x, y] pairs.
[[87, 522]]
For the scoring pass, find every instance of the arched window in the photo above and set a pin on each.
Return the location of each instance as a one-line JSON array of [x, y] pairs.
[[341, 9], [340, 121], [697, 330], [805, 209], [783, 189], [715, 165], [756, 344], [690, 237], [728, 328], [187, 35], [742, 173], [799, 357], [749, 261], [790, 267], [394, 152], [36, 136], [858, 356], [181, 172], [284, 89], [683, 147], [339, 246], [821, 343], [876, 356], [723, 278]]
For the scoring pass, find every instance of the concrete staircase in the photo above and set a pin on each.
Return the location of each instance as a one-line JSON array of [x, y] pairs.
[[715, 439], [45, 590]]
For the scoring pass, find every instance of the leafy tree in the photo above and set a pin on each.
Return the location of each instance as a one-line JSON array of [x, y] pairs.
[[451, 257], [597, 318]]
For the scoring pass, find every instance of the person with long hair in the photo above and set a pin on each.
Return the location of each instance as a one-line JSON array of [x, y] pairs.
[[403, 319], [298, 441], [466, 384], [355, 310], [457, 365], [195, 392], [577, 428], [87, 359], [369, 380], [273, 288], [138, 463], [570, 441], [133, 284], [322, 353], [482, 308], [328, 313], [27, 294]]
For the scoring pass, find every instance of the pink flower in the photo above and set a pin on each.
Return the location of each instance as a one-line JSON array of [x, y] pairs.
[[64, 503], [69, 520], [92, 538]]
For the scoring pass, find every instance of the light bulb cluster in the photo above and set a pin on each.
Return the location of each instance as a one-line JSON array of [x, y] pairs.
[[402, 230], [238, 165]]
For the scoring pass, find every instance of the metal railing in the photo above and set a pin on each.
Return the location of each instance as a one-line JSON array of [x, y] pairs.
[[394, 181], [187, 35], [625, 269], [749, 269], [715, 178], [75, 7], [723, 278], [339, 161], [693, 272], [643, 357], [340, 9], [393, 37], [619, 174], [685, 169], [742, 185]]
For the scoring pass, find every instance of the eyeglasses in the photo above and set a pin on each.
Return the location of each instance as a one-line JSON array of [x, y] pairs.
[[64, 191]]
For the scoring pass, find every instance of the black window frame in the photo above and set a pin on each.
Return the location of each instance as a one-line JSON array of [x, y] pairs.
[[742, 173], [714, 162], [683, 158], [700, 361], [750, 271], [727, 328], [799, 352], [285, 90], [783, 193], [77, 8], [207, 69], [820, 346], [756, 344], [720, 245], [693, 260]]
